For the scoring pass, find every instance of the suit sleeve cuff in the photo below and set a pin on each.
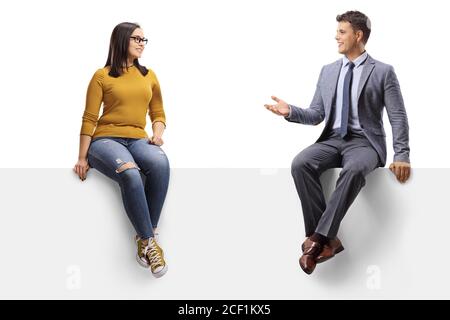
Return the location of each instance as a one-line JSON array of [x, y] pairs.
[[401, 158], [288, 117]]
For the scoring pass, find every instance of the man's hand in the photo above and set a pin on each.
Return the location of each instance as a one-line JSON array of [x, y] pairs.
[[402, 170], [281, 108]]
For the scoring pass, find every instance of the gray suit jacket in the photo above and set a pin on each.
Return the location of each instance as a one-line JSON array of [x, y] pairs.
[[378, 88]]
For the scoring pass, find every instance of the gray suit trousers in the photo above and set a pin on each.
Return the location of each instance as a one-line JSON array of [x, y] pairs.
[[357, 158]]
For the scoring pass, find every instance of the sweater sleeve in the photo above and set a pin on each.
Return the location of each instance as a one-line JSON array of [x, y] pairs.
[[156, 110], [94, 98]]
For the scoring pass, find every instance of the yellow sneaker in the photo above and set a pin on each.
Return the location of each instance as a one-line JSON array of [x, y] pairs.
[[141, 255], [155, 257]]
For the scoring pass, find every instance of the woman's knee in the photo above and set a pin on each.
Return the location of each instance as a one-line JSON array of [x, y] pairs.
[[129, 172], [126, 166], [159, 162]]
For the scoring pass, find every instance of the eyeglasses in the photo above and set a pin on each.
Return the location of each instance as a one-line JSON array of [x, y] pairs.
[[140, 40]]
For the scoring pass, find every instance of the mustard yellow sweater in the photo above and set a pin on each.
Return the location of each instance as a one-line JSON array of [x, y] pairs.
[[126, 102]]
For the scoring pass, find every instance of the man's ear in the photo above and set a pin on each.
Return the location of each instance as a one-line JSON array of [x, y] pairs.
[[359, 35]]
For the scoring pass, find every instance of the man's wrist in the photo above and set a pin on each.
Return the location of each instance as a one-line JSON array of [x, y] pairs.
[[290, 111]]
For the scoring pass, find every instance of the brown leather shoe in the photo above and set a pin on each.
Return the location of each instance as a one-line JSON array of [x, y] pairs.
[[329, 250], [304, 243], [311, 250]]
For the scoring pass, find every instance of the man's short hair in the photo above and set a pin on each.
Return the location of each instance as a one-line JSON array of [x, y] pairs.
[[358, 20]]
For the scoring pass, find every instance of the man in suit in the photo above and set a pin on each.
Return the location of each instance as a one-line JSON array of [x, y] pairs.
[[350, 96]]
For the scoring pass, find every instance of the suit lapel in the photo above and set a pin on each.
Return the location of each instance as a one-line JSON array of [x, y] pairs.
[[368, 67]]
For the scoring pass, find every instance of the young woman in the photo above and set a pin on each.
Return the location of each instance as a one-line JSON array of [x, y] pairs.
[[117, 145]]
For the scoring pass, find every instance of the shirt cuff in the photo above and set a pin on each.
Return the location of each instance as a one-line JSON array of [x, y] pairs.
[[290, 112]]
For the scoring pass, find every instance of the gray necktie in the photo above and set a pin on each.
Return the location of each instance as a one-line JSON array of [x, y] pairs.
[[346, 99]]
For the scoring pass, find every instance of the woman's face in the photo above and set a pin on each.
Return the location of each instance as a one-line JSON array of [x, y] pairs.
[[136, 46]]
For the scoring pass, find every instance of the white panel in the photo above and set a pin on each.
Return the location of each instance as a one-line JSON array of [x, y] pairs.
[[227, 233]]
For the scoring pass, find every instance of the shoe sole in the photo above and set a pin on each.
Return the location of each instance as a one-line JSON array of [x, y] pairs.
[[340, 249], [160, 273], [142, 263]]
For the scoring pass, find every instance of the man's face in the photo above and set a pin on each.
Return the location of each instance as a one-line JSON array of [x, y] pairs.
[[346, 37]]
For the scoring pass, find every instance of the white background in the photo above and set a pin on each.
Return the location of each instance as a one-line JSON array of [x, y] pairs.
[[218, 62]]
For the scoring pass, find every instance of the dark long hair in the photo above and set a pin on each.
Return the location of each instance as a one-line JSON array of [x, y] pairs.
[[118, 49]]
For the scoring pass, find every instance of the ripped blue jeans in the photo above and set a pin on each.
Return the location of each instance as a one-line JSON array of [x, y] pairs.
[[123, 160]]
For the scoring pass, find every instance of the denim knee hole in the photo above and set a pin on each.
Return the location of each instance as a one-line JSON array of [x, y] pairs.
[[126, 166]]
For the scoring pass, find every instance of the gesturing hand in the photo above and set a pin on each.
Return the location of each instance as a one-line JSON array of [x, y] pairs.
[[402, 170], [281, 108]]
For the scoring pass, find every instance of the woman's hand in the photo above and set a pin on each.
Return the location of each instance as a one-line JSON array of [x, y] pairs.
[[156, 140], [158, 130], [81, 168]]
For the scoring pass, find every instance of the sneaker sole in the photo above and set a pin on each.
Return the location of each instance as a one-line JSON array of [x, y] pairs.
[[142, 263], [161, 272]]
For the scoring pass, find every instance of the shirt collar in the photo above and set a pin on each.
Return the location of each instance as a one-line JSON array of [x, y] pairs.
[[358, 61]]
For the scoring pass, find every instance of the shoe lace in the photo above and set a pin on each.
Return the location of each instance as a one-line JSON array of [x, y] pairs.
[[154, 254], [142, 248]]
